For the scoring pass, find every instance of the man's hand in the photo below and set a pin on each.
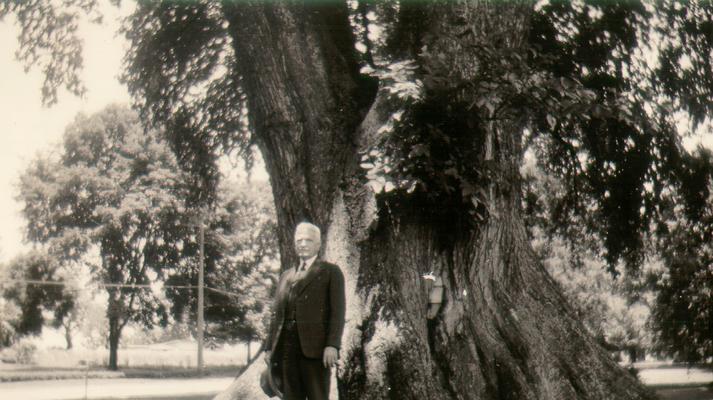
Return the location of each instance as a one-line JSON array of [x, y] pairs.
[[330, 357], [267, 357]]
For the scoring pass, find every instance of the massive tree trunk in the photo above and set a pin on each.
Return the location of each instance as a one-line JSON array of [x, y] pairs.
[[503, 331]]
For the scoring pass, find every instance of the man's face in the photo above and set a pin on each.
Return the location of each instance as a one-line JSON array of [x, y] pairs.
[[307, 242]]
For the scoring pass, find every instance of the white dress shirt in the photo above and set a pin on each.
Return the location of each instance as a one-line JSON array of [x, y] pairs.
[[303, 268]]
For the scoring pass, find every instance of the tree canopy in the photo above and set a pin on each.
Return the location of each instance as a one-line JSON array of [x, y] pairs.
[[241, 265], [683, 316], [116, 198], [33, 299], [113, 198]]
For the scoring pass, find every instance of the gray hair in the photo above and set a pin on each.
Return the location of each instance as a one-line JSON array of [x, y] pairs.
[[314, 229]]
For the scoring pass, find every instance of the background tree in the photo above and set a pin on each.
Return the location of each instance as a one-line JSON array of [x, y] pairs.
[[617, 320], [114, 197], [77, 282], [10, 313], [413, 168], [36, 300], [614, 307], [250, 264], [241, 265], [683, 312]]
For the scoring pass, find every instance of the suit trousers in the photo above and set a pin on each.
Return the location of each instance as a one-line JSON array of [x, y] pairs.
[[303, 378]]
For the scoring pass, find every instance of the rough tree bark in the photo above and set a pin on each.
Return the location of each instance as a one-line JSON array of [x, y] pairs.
[[504, 330]]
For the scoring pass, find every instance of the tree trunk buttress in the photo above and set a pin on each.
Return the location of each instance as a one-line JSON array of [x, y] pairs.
[[503, 331]]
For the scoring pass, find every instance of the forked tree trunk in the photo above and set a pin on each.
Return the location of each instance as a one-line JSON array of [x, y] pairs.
[[504, 330]]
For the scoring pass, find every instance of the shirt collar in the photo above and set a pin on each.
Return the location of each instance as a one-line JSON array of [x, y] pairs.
[[309, 262]]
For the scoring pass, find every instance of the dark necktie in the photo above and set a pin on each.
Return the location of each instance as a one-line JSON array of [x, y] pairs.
[[300, 271]]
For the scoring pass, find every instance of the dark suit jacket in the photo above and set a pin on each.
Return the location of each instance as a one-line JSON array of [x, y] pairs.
[[320, 308]]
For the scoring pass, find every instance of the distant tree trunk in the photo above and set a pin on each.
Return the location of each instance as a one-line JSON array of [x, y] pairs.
[[68, 334], [116, 325], [504, 330], [633, 354], [114, 334]]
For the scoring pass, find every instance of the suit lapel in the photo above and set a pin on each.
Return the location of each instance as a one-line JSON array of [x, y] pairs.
[[281, 302], [312, 273], [284, 288]]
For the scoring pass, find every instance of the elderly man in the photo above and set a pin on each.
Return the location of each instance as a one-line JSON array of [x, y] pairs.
[[307, 322]]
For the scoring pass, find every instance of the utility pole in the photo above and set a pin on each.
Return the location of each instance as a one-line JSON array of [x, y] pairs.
[[201, 240]]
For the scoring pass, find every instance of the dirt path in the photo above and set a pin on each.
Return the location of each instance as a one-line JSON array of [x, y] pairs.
[[74, 389], [699, 393], [205, 388]]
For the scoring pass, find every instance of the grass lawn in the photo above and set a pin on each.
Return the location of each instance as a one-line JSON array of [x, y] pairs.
[[175, 353], [179, 372], [175, 359]]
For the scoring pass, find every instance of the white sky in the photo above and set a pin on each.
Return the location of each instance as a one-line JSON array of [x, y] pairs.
[[28, 128]]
